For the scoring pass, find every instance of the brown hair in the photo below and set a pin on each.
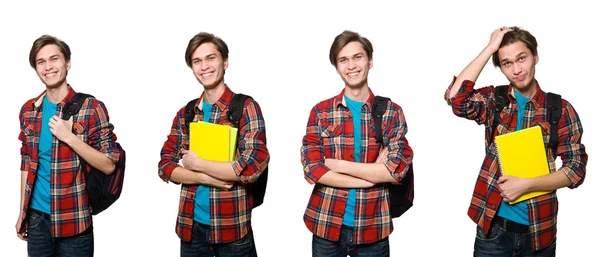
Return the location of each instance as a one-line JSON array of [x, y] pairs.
[[345, 38], [48, 40], [201, 38], [517, 34]]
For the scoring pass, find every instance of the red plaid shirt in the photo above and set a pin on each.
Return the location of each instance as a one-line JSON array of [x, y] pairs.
[[330, 134], [69, 210], [478, 105], [230, 210]]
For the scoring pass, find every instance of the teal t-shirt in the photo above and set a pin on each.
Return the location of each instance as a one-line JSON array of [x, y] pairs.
[[516, 212], [40, 199], [356, 110], [201, 202]]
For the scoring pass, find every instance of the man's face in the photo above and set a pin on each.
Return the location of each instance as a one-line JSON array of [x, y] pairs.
[[518, 65], [353, 65], [208, 65], [51, 67]]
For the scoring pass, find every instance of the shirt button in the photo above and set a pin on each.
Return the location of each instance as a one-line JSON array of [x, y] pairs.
[[345, 194], [352, 156]]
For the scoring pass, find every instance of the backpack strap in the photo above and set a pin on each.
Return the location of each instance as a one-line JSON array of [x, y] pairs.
[[236, 109], [72, 107], [377, 111], [553, 113], [190, 112], [501, 97]]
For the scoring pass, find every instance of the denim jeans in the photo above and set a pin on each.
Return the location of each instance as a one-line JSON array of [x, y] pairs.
[[322, 247], [41, 244], [200, 246], [499, 243]]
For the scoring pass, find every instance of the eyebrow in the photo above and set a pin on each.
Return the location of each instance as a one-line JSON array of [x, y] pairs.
[[51, 56], [520, 54]]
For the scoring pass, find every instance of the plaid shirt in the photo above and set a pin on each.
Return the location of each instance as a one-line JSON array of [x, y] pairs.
[[478, 105], [230, 210], [69, 210], [330, 134]]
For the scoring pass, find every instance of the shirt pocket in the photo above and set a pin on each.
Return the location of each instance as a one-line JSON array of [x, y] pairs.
[[80, 130], [28, 132], [332, 141]]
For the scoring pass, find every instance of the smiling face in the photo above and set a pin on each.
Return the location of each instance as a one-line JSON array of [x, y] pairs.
[[518, 65], [51, 66], [353, 65], [208, 65]]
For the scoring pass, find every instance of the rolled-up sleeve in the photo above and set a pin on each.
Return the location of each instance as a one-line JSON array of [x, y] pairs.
[[570, 149], [469, 103], [253, 155], [170, 152], [400, 154], [311, 152], [101, 136]]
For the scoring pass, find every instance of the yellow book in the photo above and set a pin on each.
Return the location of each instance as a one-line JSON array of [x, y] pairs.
[[522, 154], [210, 141], [232, 143]]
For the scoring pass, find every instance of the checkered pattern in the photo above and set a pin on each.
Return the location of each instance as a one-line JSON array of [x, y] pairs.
[[330, 134], [230, 210], [478, 105], [70, 213]]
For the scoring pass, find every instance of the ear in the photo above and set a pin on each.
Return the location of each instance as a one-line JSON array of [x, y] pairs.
[[226, 64], [536, 58], [371, 63], [68, 65]]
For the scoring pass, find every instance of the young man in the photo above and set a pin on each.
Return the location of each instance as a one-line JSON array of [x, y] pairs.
[[216, 206], [55, 218], [348, 211], [527, 228]]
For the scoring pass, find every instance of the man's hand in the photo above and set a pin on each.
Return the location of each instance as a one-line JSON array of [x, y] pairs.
[[190, 160], [61, 129], [21, 234], [333, 164], [383, 156], [496, 38], [512, 187], [210, 181]]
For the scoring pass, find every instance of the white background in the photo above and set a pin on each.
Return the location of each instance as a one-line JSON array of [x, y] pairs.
[[130, 55]]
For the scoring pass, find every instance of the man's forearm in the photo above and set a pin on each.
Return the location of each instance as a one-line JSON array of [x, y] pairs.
[[334, 179], [92, 156], [550, 182], [372, 172], [220, 170], [472, 71], [185, 176]]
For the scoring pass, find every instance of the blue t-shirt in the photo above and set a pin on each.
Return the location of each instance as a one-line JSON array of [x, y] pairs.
[[40, 199], [356, 110], [202, 204], [516, 212]]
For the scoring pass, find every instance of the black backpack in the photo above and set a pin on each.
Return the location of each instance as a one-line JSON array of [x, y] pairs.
[[401, 195], [103, 190], [553, 113], [234, 115]]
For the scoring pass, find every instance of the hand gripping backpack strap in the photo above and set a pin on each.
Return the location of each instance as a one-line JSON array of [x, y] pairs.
[[501, 97], [553, 112]]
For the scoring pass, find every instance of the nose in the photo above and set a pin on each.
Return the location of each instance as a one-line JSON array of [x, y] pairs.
[[203, 65], [47, 66], [517, 69], [351, 64]]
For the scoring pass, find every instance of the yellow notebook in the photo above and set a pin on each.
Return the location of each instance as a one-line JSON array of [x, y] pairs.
[[232, 143], [522, 154], [210, 141]]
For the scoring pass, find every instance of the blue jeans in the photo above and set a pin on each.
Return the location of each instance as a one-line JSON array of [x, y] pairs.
[[322, 247], [200, 246], [499, 243], [41, 244]]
